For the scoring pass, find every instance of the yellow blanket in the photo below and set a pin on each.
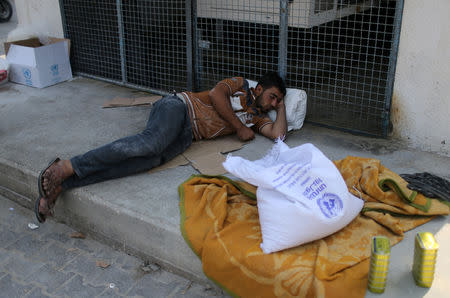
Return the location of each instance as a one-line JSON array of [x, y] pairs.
[[219, 220]]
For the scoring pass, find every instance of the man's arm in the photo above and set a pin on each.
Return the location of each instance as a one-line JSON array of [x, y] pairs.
[[279, 127], [220, 99]]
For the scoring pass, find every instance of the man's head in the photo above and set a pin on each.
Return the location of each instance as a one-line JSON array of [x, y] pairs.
[[269, 91]]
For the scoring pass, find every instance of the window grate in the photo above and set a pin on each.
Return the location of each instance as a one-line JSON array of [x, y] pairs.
[[155, 44], [93, 30], [344, 67]]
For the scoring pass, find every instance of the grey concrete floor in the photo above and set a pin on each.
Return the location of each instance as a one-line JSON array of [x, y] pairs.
[[49, 262]]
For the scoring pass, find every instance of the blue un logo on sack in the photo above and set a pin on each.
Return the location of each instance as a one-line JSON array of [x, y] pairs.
[[54, 69], [330, 205]]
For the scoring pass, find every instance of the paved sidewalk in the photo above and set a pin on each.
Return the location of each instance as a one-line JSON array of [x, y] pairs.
[[47, 262]]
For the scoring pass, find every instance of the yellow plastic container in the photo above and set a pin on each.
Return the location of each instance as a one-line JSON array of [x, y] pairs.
[[379, 264], [425, 253]]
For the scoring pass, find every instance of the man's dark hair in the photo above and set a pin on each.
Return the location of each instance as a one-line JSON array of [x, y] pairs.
[[272, 79]]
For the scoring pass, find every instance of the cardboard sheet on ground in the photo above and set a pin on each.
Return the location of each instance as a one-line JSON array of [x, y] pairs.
[[206, 156], [128, 102]]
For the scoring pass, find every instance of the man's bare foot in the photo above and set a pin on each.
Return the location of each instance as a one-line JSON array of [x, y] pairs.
[[54, 176], [44, 207]]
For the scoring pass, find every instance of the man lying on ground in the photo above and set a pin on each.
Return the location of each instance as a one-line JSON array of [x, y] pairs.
[[174, 121]]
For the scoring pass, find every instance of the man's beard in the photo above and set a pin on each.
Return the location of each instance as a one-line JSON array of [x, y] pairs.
[[258, 100]]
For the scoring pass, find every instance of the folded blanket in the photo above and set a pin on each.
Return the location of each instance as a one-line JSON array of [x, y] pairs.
[[219, 220]]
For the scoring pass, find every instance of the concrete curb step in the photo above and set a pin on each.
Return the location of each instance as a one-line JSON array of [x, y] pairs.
[[17, 183], [120, 228]]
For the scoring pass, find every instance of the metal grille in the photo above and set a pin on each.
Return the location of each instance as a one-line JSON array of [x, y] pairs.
[[346, 64], [232, 42], [341, 52], [139, 43], [93, 30], [155, 43]]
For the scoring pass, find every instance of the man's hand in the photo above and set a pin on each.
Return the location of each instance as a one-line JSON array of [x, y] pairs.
[[280, 106], [279, 127], [245, 134]]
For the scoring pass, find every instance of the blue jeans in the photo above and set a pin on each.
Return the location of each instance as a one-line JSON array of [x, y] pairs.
[[168, 133]]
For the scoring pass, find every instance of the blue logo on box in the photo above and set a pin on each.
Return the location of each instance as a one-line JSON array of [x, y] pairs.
[[26, 73], [27, 76], [54, 69], [330, 205]]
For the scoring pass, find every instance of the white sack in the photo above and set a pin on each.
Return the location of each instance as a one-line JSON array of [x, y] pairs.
[[301, 195], [295, 102]]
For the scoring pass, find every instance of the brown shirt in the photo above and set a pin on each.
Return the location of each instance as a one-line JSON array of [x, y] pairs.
[[207, 123]]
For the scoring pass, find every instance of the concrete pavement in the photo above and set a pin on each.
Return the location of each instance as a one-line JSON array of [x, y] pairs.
[[48, 262], [140, 213]]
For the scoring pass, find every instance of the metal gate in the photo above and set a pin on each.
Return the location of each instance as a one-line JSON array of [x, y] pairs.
[[145, 44], [341, 52]]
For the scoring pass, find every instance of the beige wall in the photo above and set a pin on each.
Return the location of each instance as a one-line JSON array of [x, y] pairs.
[[421, 103], [37, 18]]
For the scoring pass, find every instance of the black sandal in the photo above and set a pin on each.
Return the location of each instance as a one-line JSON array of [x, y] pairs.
[[41, 176], [40, 216]]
